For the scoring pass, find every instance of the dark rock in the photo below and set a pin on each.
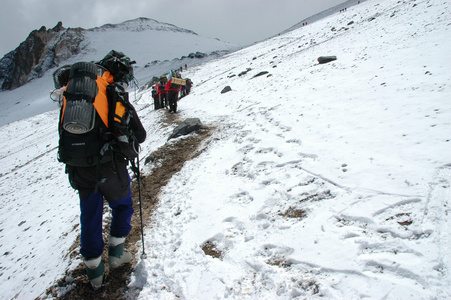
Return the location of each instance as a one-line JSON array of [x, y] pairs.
[[149, 159], [188, 126], [43, 49], [261, 74], [226, 89], [326, 59], [244, 72]]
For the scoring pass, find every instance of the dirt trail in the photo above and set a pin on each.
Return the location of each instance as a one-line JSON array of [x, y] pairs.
[[169, 159]]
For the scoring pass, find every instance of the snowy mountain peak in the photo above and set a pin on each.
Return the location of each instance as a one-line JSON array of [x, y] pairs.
[[142, 24], [45, 49], [156, 47]]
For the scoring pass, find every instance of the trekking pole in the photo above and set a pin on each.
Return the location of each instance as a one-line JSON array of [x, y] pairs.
[[138, 175], [143, 255]]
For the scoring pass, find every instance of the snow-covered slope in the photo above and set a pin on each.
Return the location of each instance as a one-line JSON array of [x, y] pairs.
[[361, 145], [320, 181], [342, 7], [143, 40]]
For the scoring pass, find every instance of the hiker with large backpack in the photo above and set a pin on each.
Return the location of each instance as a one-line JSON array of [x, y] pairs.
[[99, 134], [162, 91], [173, 87]]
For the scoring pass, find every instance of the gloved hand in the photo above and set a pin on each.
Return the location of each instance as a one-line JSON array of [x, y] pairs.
[[128, 146]]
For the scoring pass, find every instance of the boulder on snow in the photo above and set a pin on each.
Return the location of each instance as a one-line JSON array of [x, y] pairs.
[[326, 59], [226, 89], [261, 74], [188, 126]]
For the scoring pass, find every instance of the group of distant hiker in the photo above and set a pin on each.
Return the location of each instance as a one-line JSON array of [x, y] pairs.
[[99, 137], [167, 92]]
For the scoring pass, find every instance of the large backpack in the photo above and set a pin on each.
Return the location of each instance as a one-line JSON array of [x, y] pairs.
[[94, 111], [120, 65]]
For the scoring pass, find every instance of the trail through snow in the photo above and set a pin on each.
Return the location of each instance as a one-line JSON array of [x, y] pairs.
[[320, 181]]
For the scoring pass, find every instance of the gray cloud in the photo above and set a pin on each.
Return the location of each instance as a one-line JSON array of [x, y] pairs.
[[235, 21]]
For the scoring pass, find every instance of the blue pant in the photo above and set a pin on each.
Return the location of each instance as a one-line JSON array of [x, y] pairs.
[[115, 188], [91, 222]]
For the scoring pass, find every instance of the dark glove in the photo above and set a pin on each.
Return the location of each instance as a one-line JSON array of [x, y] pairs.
[[129, 147]]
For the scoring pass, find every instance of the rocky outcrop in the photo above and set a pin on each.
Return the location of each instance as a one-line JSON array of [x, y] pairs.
[[46, 49], [42, 50]]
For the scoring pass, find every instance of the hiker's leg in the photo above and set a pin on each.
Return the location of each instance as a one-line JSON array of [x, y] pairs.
[[91, 239]]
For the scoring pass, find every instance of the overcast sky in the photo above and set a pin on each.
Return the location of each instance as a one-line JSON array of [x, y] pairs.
[[237, 21]]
